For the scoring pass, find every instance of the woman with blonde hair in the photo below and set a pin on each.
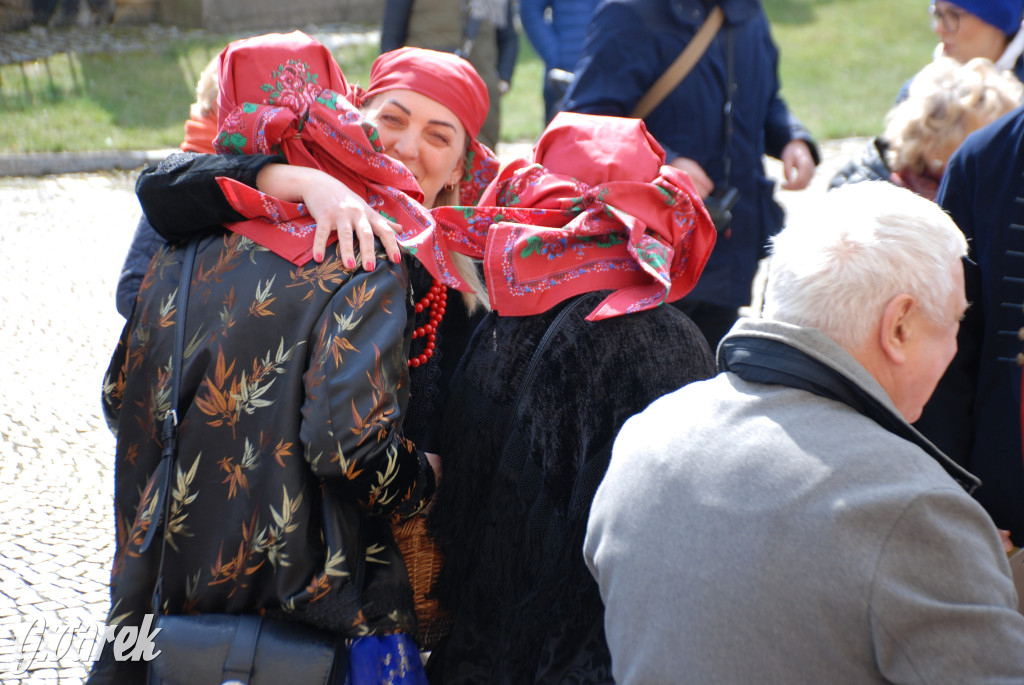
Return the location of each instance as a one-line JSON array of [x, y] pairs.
[[945, 102], [293, 457]]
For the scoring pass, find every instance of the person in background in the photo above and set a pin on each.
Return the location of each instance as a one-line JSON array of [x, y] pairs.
[[556, 29], [975, 415], [721, 147], [978, 28], [481, 31], [185, 197], [581, 246], [291, 460], [947, 101], [783, 522], [981, 28]]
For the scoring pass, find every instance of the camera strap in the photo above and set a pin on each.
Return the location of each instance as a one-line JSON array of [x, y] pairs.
[[730, 86]]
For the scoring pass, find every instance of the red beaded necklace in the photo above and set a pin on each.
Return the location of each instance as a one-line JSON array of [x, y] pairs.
[[435, 301]]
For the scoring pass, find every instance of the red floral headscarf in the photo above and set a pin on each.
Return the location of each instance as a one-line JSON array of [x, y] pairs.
[[284, 93], [453, 82], [596, 209]]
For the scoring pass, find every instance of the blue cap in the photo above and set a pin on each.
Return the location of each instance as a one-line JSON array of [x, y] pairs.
[[1005, 15]]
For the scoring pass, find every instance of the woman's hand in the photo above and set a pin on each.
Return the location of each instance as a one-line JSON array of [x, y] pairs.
[[797, 165], [335, 208]]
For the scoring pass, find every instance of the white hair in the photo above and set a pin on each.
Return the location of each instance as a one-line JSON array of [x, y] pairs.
[[865, 244]]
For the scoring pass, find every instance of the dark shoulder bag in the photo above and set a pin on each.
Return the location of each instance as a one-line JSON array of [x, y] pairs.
[[227, 648]]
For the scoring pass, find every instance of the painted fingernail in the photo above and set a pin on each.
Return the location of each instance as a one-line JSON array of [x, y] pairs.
[[369, 264], [318, 256], [396, 257], [350, 263]]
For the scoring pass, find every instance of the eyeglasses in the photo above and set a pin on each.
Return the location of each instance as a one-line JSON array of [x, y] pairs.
[[949, 18]]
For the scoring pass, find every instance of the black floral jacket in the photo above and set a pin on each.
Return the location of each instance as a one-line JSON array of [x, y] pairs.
[[291, 460]]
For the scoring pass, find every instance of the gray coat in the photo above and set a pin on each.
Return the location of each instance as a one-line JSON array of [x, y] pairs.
[[748, 532]]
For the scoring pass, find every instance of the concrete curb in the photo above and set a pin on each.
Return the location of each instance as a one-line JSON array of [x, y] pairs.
[[46, 163]]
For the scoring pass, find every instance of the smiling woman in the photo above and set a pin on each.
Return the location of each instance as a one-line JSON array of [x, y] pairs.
[[350, 346], [422, 134]]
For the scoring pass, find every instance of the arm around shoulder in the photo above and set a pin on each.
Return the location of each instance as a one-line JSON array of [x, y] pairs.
[[180, 196]]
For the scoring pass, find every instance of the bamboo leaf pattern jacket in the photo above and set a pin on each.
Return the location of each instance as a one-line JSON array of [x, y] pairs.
[[291, 460]]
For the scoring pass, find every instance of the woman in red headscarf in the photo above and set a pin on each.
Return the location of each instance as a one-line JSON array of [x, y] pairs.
[[427, 108], [582, 247], [291, 460]]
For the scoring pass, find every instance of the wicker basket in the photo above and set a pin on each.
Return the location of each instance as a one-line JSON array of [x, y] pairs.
[[423, 561]]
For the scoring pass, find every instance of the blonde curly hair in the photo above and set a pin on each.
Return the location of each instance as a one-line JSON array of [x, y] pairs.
[[946, 101]]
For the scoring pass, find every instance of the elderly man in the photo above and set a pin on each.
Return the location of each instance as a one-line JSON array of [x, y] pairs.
[[783, 522]]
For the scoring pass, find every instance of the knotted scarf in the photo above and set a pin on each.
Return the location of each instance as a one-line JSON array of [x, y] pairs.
[[595, 209], [285, 94]]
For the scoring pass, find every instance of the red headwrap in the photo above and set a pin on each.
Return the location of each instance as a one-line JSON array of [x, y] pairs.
[[595, 210], [453, 82], [275, 86]]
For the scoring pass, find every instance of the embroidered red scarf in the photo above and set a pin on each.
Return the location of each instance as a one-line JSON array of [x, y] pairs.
[[285, 94], [595, 209]]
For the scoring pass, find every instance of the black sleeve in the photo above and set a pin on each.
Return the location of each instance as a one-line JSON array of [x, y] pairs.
[[180, 196]]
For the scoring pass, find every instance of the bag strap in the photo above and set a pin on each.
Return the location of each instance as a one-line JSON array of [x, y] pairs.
[[242, 654], [169, 436], [682, 65]]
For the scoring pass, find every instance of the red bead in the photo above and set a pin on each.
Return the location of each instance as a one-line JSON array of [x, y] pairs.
[[435, 300]]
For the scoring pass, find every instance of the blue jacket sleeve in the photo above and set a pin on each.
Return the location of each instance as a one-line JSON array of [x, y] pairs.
[[781, 125], [145, 243], [605, 83], [540, 33]]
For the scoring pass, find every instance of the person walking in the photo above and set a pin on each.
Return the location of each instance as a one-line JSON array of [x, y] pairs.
[[716, 125]]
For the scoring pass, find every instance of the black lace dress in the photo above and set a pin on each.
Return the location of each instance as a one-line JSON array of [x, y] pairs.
[[511, 520]]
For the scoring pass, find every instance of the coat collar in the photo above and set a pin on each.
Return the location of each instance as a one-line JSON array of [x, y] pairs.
[[773, 352]]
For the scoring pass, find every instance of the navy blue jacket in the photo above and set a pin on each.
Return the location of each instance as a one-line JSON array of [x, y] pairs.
[[630, 44], [975, 414], [559, 41]]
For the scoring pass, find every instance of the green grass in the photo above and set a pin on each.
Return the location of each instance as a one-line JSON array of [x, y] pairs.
[[842, 63]]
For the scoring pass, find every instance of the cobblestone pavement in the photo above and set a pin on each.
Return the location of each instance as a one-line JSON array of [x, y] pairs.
[[62, 242]]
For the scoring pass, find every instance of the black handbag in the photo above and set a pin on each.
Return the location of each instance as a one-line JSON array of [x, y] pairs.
[[222, 648], [226, 648]]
